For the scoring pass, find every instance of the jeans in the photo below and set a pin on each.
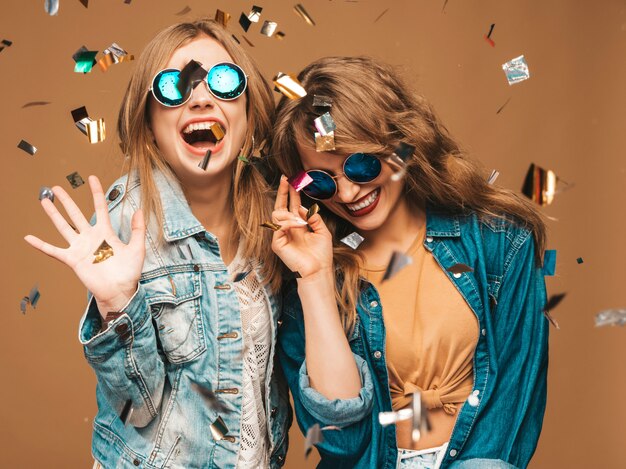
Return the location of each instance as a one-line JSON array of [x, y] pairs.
[[429, 458]]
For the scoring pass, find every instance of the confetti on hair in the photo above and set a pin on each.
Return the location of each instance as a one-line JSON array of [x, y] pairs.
[[322, 101], [288, 85], [324, 142], [325, 124], [493, 176]]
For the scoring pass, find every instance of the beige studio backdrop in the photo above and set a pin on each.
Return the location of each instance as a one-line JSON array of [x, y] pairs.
[[568, 117]]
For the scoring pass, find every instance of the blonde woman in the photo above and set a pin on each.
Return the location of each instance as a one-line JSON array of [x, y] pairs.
[[181, 324], [461, 324]]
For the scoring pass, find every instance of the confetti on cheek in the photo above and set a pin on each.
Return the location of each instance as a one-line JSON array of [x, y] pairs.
[[325, 124], [27, 147], [611, 317], [300, 180], [353, 240], [549, 262], [289, 86], [46, 193], [302, 13], [516, 70]]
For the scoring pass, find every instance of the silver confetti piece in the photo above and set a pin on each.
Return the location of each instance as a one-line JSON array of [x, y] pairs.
[[611, 317], [46, 193], [398, 261], [218, 429], [516, 70], [325, 124], [353, 240]]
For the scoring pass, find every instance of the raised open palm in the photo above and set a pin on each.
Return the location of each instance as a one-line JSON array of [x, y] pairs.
[[302, 250], [112, 281]]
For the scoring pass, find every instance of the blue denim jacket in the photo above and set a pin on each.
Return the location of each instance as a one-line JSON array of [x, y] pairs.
[[506, 292], [181, 327]]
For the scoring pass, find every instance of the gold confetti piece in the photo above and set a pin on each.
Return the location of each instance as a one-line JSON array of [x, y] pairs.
[[279, 35], [114, 54], [205, 161], [35, 103], [314, 436], [289, 85], [184, 11], [325, 124], [268, 28], [312, 211], [75, 180], [270, 225], [218, 429], [46, 193], [322, 101], [255, 14], [301, 12], [540, 185], [611, 317], [324, 142], [353, 240], [94, 130], [103, 252], [398, 261], [222, 17], [27, 147], [217, 131], [51, 7]]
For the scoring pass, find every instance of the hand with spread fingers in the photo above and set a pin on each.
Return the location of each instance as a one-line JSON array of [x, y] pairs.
[[108, 268], [305, 251]]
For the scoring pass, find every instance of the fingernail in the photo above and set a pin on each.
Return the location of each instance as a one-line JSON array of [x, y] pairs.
[[300, 221]]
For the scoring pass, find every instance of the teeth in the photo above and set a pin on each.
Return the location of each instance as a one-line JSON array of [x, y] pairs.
[[199, 126], [364, 203]]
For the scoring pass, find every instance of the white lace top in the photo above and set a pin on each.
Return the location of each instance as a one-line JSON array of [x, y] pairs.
[[257, 337]]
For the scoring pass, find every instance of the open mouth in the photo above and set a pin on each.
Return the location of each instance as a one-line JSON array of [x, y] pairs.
[[364, 205], [203, 135]]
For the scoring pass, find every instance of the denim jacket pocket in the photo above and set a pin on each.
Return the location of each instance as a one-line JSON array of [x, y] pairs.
[[174, 301]]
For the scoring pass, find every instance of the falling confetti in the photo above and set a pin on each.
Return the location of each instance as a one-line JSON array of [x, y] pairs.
[[302, 13], [27, 147], [46, 193], [325, 124], [353, 240], [289, 86], [516, 70], [611, 317], [398, 261]]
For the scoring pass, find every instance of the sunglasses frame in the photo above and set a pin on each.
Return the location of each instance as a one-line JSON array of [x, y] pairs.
[[205, 80], [343, 170]]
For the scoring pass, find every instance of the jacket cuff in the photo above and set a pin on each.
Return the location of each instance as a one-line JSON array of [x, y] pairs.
[[89, 331], [340, 412]]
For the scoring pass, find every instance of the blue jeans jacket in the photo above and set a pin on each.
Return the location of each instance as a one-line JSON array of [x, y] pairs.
[[181, 327], [506, 292]]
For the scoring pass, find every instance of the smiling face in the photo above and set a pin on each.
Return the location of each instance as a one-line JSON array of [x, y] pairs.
[[174, 127], [366, 206]]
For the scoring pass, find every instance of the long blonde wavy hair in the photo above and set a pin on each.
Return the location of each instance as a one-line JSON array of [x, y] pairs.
[[374, 110], [250, 192]]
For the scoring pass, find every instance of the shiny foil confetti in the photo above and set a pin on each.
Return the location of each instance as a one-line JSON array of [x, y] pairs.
[[300, 180], [103, 252], [46, 193], [279, 35], [268, 28], [84, 60], [552, 303], [270, 225], [398, 160], [516, 70], [222, 17], [184, 11], [611, 317], [324, 142], [245, 22], [388, 418], [189, 76], [218, 429], [419, 418], [211, 399], [353, 240], [493, 176], [502, 107], [289, 86], [322, 101], [239, 276], [540, 185], [458, 269], [313, 210], [314, 436], [32, 299], [95, 130], [255, 14], [488, 36], [579, 260], [549, 262], [51, 7], [302, 13], [35, 103], [27, 147], [248, 41], [325, 124], [114, 54], [127, 412], [75, 180], [398, 261], [205, 161], [5, 43], [85, 3]]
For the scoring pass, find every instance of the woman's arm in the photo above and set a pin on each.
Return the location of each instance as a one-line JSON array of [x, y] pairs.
[[330, 364]]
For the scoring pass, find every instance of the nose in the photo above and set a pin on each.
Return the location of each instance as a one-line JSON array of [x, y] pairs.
[[201, 97], [346, 190]]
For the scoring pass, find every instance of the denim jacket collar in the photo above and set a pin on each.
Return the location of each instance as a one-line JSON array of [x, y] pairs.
[[441, 224]]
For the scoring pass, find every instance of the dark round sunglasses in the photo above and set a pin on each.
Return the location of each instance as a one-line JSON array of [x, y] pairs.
[[225, 81], [359, 168]]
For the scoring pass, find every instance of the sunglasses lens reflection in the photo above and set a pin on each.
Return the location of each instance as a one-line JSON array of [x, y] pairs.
[[322, 187], [226, 81], [165, 90], [362, 168]]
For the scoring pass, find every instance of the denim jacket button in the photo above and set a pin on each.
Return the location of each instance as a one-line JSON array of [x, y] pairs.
[[453, 453], [429, 239], [273, 411], [484, 332], [136, 462], [374, 304], [114, 194], [377, 354], [280, 459], [121, 328], [196, 268], [457, 275]]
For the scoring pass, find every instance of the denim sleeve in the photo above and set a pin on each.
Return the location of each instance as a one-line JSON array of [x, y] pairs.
[[520, 335], [353, 416], [125, 357]]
